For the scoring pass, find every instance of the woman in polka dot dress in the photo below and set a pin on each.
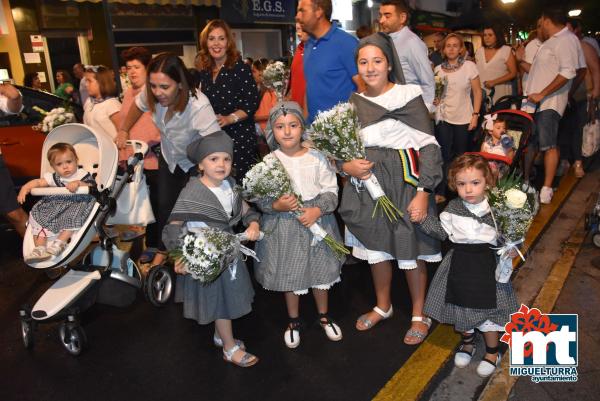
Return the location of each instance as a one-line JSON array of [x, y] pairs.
[[228, 84]]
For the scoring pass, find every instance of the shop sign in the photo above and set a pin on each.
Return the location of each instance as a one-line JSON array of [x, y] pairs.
[[251, 11]]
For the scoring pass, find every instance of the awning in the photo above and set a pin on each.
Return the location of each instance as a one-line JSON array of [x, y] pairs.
[[161, 2]]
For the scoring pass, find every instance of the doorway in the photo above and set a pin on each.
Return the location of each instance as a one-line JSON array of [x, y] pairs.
[[64, 53]]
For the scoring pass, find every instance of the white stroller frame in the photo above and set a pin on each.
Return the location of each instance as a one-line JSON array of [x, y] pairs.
[[106, 275]]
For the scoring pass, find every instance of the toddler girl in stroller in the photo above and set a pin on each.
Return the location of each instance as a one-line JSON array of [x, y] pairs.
[[57, 217], [497, 142]]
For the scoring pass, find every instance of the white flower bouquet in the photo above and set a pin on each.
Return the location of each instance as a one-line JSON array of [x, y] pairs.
[[53, 118], [269, 180], [276, 76], [440, 85], [207, 252], [514, 205], [335, 133]]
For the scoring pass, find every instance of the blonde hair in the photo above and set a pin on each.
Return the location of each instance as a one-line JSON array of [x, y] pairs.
[[59, 149], [463, 49]]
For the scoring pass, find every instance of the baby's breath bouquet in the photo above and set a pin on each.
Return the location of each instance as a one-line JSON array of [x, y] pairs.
[[335, 133], [207, 252], [276, 76], [53, 118], [270, 180], [514, 205]]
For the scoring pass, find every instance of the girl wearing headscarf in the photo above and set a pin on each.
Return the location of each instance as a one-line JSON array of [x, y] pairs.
[[290, 261], [404, 156], [212, 200]]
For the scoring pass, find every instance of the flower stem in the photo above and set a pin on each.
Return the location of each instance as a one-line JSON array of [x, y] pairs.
[[387, 207], [337, 247]]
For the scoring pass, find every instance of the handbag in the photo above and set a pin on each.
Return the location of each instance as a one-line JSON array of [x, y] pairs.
[[591, 138], [133, 203]]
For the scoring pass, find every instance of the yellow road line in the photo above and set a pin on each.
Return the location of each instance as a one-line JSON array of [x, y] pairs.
[[498, 388], [409, 382]]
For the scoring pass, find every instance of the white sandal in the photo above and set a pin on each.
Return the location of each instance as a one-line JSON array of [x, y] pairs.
[[219, 342], [247, 360], [420, 336], [368, 323]]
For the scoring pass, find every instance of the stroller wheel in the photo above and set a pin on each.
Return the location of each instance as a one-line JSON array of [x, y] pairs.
[[158, 285], [596, 239], [26, 327], [73, 338]]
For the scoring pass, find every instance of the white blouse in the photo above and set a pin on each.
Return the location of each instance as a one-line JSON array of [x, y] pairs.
[[224, 194], [97, 116], [457, 107], [393, 134], [494, 68], [466, 230], [311, 173]]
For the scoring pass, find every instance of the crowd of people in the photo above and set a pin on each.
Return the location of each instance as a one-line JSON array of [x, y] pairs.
[[206, 127]]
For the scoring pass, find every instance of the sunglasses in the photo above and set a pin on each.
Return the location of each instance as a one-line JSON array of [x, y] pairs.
[[94, 68]]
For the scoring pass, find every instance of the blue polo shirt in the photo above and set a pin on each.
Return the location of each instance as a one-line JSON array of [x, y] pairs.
[[329, 66]]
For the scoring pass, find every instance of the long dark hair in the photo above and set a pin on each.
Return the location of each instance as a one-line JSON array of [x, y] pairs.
[[171, 65], [500, 41]]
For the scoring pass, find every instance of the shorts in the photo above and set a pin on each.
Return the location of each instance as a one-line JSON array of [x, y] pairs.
[[546, 129], [8, 196]]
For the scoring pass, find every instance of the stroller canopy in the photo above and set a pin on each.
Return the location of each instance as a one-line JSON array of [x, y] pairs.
[[97, 153]]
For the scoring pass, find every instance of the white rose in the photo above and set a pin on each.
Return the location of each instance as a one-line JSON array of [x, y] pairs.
[[515, 199]]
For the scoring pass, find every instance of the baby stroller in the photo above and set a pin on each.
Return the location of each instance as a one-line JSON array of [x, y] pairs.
[[105, 274], [519, 127]]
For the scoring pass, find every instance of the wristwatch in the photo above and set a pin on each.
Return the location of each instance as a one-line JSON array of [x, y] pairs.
[[421, 189]]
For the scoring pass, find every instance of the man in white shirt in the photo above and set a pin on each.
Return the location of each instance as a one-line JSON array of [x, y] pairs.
[[550, 77], [11, 102], [412, 51]]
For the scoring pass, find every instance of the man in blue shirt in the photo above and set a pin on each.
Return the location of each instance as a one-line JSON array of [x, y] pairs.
[[329, 65], [412, 51]]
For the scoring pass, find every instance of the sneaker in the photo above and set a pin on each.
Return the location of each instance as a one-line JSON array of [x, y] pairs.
[[38, 254], [292, 334], [56, 247], [487, 367], [546, 195]]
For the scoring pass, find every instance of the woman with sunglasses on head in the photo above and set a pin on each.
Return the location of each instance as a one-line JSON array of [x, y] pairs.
[[182, 114]]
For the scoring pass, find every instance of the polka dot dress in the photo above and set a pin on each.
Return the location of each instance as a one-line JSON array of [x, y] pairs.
[[235, 89]]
